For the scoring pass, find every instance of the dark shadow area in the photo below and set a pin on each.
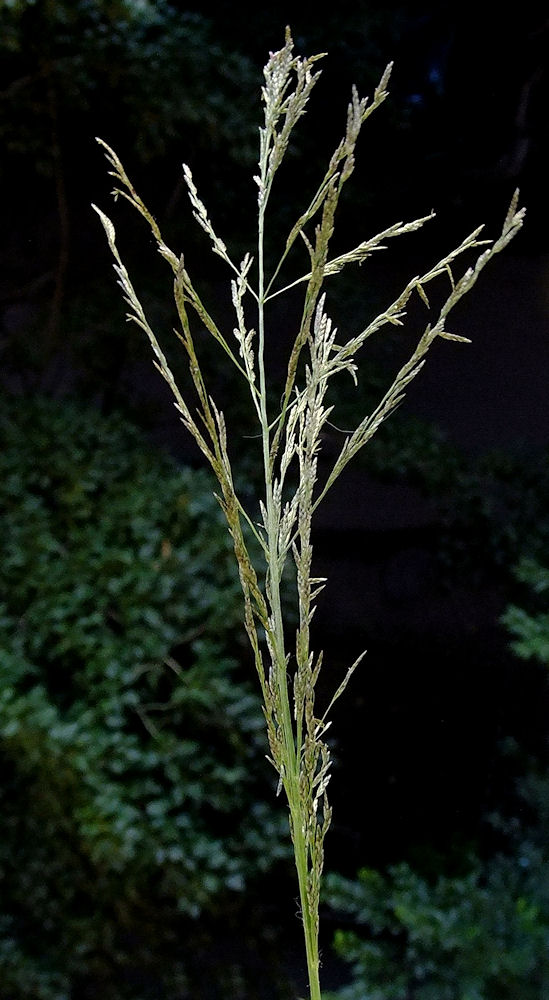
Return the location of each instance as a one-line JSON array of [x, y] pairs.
[[130, 724]]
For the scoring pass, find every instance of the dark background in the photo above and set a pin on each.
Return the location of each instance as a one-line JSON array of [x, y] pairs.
[[465, 125], [412, 573]]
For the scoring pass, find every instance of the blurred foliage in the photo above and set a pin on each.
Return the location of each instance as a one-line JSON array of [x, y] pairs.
[[132, 809], [529, 625], [434, 572], [128, 828], [160, 80], [491, 510], [481, 934], [172, 81], [472, 923], [152, 70]]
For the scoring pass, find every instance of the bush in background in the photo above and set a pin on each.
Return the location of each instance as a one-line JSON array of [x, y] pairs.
[[129, 801], [482, 935]]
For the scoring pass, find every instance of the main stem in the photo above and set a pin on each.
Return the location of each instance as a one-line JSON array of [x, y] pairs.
[[292, 753]]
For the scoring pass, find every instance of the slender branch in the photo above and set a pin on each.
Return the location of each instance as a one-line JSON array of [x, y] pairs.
[[291, 439]]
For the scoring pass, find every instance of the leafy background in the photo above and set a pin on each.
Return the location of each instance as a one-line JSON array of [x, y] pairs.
[[143, 848]]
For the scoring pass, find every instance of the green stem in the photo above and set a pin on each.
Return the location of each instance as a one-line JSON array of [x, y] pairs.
[[292, 759], [310, 921], [292, 753]]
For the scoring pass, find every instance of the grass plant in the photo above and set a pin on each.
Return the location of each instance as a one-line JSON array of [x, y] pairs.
[[290, 439]]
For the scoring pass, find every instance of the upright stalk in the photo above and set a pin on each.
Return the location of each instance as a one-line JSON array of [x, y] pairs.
[[290, 442], [292, 751]]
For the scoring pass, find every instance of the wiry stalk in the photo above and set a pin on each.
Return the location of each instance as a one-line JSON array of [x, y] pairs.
[[291, 438]]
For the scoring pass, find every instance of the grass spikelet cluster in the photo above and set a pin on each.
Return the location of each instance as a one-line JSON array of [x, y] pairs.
[[290, 439]]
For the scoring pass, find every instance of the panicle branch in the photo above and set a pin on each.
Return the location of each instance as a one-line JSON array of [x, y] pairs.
[[283, 108], [292, 439]]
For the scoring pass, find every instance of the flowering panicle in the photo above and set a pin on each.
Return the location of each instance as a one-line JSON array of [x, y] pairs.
[[291, 438]]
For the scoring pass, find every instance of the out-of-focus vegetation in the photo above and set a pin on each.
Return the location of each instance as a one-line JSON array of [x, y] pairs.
[[155, 76], [470, 922], [529, 624], [138, 820], [135, 838], [71, 63], [136, 806], [167, 82], [482, 934]]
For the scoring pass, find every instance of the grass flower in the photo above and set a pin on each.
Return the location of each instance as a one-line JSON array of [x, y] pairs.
[[290, 439]]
